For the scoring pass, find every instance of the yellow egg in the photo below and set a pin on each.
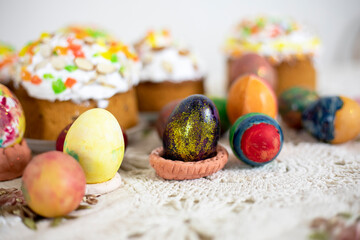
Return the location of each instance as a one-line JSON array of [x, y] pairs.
[[95, 139]]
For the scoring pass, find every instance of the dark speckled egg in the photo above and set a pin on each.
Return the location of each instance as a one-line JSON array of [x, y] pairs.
[[192, 131], [293, 102]]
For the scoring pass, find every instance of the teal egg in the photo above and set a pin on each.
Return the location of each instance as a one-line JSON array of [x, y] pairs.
[[293, 102]]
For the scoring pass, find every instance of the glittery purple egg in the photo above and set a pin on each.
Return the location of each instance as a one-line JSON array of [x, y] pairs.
[[192, 130]]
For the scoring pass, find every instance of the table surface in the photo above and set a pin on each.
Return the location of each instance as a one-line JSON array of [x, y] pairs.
[[308, 179]]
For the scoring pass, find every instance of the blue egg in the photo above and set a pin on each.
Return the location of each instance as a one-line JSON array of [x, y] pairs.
[[318, 118]]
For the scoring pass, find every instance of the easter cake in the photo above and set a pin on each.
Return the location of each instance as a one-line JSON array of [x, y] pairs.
[[63, 74], [288, 46], [14, 152], [169, 71], [190, 142], [8, 58]]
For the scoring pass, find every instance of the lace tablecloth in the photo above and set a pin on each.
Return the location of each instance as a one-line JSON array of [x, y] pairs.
[[277, 201], [309, 179]]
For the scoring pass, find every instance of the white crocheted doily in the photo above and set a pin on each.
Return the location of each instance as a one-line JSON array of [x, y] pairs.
[[277, 201]]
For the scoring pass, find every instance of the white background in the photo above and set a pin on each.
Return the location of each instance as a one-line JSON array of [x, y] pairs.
[[201, 24]]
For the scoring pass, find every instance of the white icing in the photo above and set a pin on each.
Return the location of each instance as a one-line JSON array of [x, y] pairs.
[[292, 39], [5, 74], [166, 60], [102, 103], [104, 86], [183, 67], [7, 70]]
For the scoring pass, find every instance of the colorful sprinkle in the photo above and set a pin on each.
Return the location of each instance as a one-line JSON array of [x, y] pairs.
[[114, 58], [106, 55], [71, 68], [60, 50], [36, 80], [70, 82], [48, 76], [122, 70], [25, 75], [58, 86]]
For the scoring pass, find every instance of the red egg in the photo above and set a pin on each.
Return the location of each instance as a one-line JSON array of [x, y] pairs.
[[61, 138], [256, 139], [125, 137], [252, 64], [164, 115]]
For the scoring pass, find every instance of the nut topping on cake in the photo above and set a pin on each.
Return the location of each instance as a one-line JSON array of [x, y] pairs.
[[84, 64]]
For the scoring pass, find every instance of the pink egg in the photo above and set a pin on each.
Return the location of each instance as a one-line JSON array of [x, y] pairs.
[[12, 119], [252, 63]]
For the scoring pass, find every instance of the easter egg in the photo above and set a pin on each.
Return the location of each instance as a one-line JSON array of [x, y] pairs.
[[293, 102], [252, 63], [61, 138], [164, 115], [12, 119], [192, 130], [126, 141], [332, 119], [248, 94], [256, 139], [53, 184], [95, 139], [220, 104]]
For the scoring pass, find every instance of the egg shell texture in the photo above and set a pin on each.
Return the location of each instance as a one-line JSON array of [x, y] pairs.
[[318, 118], [347, 120], [53, 184], [12, 119], [164, 115], [255, 64], [220, 104], [248, 94], [192, 130], [293, 102], [95, 139], [333, 119], [256, 139]]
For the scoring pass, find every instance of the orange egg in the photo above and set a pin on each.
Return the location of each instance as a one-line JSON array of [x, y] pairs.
[[249, 93], [346, 122]]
